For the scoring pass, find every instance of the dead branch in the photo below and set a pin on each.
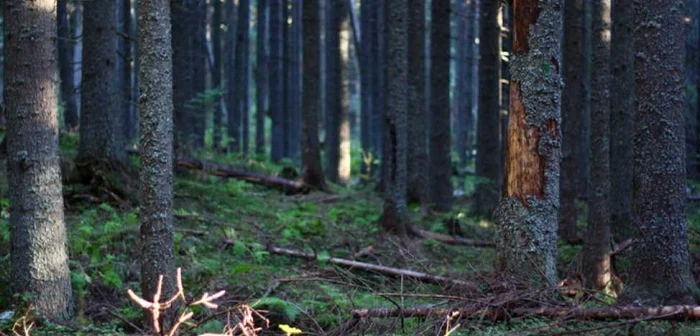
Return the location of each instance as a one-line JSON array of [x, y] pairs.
[[622, 247], [287, 186], [678, 313], [424, 277], [452, 240]]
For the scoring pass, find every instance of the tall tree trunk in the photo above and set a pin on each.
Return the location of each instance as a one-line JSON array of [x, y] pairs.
[[366, 84], [464, 83], [261, 80], [312, 173], [183, 71], [597, 248], [622, 95], [197, 117], [127, 70], [660, 255], [690, 19], [216, 70], [572, 99], [277, 83], [37, 231], [230, 73], [584, 148], [296, 80], [440, 137], [337, 107], [526, 217], [242, 71], [101, 134], [76, 25], [65, 66], [156, 146], [286, 79], [379, 109], [394, 217], [135, 71], [417, 114], [488, 154]]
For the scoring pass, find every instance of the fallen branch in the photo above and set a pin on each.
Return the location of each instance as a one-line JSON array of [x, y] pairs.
[[287, 186], [678, 313], [622, 247], [420, 276], [453, 240]]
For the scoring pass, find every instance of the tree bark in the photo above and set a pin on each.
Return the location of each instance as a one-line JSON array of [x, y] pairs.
[[65, 66], [294, 83], [156, 144], [101, 130], [418, 190], [690, 27], [196, 15], [440, 137], [239, 132], [216, 71], [622, 111], [37, 230], [182, 73], [394, 218], [488, 153], [261, 80], [464, 84], [526, 218], [571, 119], [662, 271], [366, 69], [127, 71], [312, 173], [597, 268], [277, 83]]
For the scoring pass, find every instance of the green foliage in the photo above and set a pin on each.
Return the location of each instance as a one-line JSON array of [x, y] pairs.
[[277, 306]]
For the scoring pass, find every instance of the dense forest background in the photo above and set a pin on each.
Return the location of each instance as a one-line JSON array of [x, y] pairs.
[[374, 167]]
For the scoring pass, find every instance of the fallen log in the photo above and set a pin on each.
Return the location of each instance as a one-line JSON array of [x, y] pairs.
[[420, 276], [289, 187], [453, 240], [678, 313]]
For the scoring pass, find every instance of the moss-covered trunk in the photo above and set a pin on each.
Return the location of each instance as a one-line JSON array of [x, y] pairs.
[[526, 217]]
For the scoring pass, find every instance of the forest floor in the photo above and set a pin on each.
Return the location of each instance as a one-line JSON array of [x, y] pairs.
[[224, 231]]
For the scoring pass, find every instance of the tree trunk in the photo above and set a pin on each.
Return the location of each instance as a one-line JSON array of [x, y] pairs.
[[312, 173], [65, 67], [394, 218], [76, 25], [197, 116], [216, 71], [596, 255], [378, 119], [572, 99], [261, 80], [294, 83], [337, 107], [156, 145], [417, 114], [690, 19], [127, 70], [101, 131], [240, 109], [182, 72], [622, 96], [660, 255], [440, 137], [526, 217], [37, 231], [276, 82], [366, 84], [584, 147], [464, 84], [488, 154]]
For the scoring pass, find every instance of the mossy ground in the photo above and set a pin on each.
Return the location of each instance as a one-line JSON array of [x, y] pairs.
[[237, 220]]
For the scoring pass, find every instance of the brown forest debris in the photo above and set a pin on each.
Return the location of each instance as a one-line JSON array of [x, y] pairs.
[[452, 240], [678, 313], [420, 276]]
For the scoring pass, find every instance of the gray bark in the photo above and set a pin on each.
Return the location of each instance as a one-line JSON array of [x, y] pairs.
[[196, 16], [277, 84], [526, 217], [101, 132], [261, 80], [418, 113], [464, 83], [572, 100], [156, 147], [239, 131], [488, 154], [65, 66], [622, 94], [127, 69], [396, 137], [294, 83], [691, 24], [76, 25], [440, 136], [38, 252], [216, 79], [597, 271], [660, 254], [366, 83], [312, 173]]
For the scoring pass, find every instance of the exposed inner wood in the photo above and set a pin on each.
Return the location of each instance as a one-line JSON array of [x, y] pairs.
[[528, 11]]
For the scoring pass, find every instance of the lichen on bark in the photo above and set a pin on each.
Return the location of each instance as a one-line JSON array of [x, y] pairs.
[[526, 218]]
